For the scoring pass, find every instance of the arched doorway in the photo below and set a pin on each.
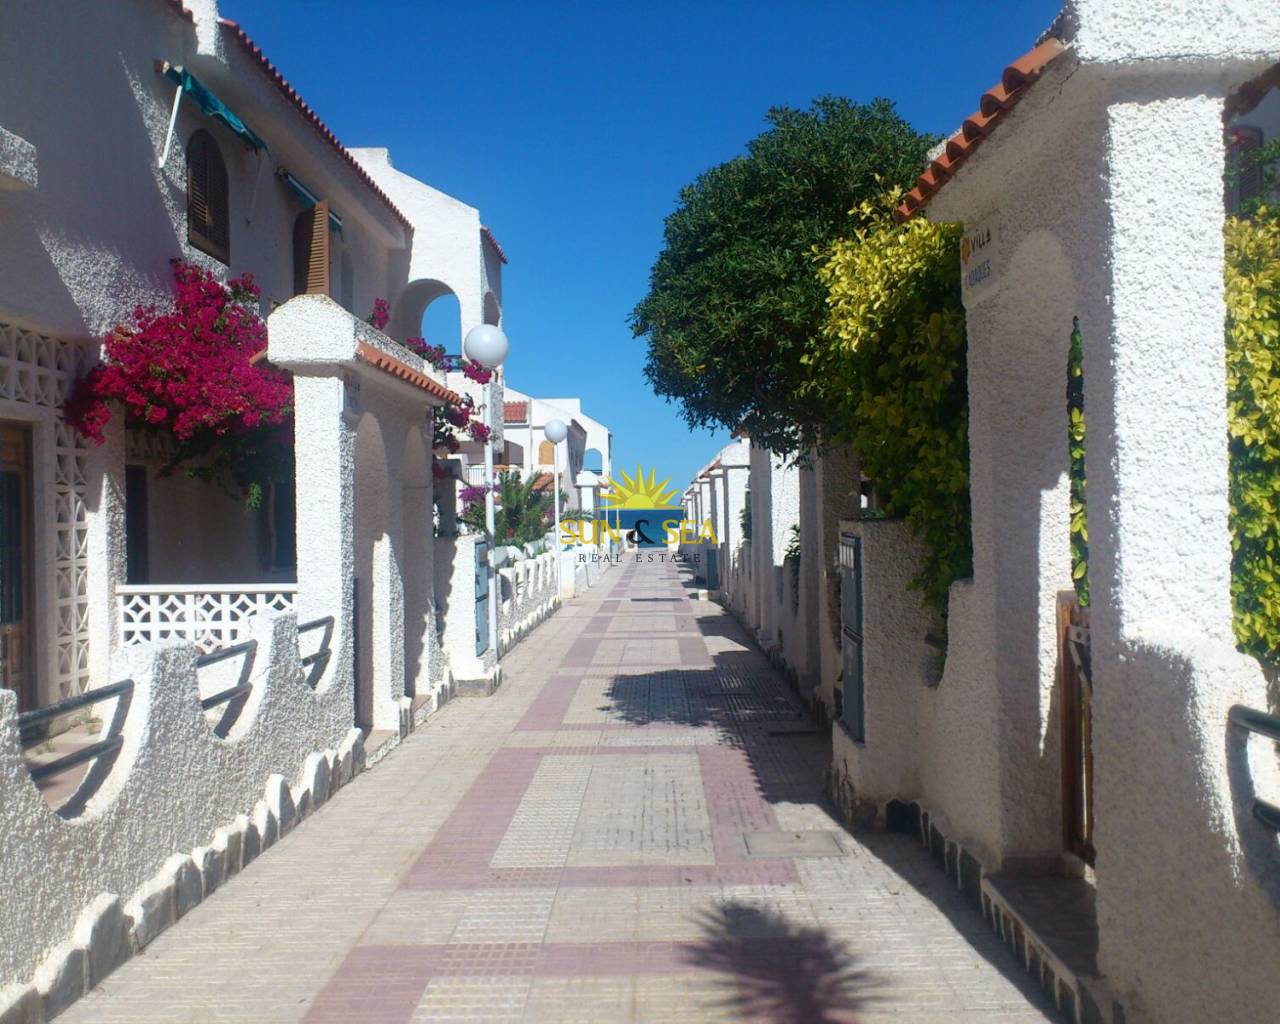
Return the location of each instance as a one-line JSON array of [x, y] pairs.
[[429, 309], [371, 663]]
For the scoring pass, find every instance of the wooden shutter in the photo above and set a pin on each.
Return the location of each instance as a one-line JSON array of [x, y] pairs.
[[208, 205], [311, 251], [318, 258]]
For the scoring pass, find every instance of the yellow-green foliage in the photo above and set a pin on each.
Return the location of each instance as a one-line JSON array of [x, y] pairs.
[[1253, 409], [893, 376]]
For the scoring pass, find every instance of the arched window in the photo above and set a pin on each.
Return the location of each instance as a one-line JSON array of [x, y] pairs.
[[546, 453], [208, 207]]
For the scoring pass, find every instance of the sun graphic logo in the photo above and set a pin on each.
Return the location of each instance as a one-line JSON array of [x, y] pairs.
[[639, 492]]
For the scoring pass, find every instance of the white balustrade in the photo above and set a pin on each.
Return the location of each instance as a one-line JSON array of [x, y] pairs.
[[209, 616]]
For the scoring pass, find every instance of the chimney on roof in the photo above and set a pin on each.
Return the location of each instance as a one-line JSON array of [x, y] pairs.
[[208, 37]]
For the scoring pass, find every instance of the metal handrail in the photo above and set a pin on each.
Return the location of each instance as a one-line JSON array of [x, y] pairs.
[[30, 734], [1267, 725], [223, 653], [317, 662], [38, 716], [223, 696]]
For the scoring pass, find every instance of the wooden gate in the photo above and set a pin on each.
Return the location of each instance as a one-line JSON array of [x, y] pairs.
[[17, 563], [1075, 671]]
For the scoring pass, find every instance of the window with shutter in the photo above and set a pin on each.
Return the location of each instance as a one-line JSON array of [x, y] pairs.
[[311, 251], [208, 205]]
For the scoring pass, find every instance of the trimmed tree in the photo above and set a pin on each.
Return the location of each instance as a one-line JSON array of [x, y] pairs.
[[735, 306]]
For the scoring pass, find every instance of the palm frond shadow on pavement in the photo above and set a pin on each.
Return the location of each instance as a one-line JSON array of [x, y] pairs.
[[779, 972]]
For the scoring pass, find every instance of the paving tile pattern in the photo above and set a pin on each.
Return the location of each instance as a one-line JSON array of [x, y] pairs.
[[576, 848]]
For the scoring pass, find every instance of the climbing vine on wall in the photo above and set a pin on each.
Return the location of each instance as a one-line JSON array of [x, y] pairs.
[[893, 378], [1253, 410]]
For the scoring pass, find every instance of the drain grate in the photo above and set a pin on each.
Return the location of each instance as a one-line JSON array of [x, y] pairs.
[[792, 844]]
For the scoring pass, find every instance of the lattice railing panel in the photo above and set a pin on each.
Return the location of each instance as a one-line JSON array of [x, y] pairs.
[[207, 616]]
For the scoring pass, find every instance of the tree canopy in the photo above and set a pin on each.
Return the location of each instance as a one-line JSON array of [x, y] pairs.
[[734, 298]]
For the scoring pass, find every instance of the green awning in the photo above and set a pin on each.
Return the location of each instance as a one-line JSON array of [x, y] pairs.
[[309, 198], [211, 106]]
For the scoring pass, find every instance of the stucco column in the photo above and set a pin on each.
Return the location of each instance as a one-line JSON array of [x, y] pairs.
[[324, 454], [386, 582], [1174, 780], [105, 508]]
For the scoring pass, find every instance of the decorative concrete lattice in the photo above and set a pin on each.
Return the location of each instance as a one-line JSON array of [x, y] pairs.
[[207, 616], [39, 371]]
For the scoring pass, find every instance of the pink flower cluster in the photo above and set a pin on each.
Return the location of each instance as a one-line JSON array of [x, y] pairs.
[[479, 431], [381, 315], [192, 369], [433, 354], [471, 494], [477, 373]]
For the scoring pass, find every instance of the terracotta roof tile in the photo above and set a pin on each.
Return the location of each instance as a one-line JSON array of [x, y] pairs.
[[515, 412], [996, 102], [487, 235], [291, 94], [390, 364]]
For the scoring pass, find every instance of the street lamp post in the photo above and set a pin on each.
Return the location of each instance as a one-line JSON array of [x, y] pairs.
[[488, 346], [555, 432]]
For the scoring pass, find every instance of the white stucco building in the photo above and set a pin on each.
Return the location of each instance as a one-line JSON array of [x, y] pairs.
[[340, 613], [1076, 773], [586, 459]]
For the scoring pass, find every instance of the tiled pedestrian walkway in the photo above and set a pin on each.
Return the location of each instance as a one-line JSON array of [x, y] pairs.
[[631, 829]]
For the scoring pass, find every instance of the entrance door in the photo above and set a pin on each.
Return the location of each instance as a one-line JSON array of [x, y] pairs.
[[17, 562]]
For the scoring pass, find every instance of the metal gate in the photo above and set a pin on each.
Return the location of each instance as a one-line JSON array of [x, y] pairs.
[[713, 567], [854, 715], [482, 596]]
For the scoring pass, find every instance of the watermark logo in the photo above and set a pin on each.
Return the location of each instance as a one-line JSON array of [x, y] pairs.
[[644, 510]]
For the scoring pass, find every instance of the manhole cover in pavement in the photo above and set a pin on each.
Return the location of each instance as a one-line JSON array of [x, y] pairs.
[[792, 844]]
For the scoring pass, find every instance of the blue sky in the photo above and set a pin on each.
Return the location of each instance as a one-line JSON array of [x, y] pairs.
[[572, 126]]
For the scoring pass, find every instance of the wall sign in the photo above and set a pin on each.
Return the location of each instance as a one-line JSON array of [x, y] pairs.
[[979, 260]]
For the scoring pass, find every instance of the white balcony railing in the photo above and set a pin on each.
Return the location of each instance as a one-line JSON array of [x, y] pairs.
[[209, 616]]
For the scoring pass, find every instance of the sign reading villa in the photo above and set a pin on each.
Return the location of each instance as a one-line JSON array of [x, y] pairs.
[[978, 262]]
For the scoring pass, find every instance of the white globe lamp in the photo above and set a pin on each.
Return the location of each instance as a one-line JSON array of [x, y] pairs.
[[486, 345]]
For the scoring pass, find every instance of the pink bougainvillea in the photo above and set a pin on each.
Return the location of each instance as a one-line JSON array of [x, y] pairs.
[[477, 373], [479, 431], [193, 369], [196, 372], [381, 315], [470, 494]]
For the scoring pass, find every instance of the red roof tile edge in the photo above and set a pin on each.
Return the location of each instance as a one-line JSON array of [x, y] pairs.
[[995, 104], [390, 364], [487, 235], [292, 95], [515, 412]]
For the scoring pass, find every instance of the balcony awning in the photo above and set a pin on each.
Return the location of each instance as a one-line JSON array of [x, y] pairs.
[[211, 106], [308, 197]]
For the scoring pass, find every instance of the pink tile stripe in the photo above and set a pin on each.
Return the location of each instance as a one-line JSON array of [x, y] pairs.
[[384, 984], [551, 705], [459, 855]]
